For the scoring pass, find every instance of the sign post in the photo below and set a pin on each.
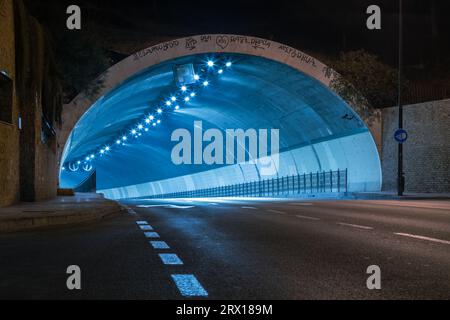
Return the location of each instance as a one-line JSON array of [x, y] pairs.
[[400, 173]]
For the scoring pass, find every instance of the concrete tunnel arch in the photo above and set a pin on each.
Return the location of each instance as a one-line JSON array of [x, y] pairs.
[[348, 145]]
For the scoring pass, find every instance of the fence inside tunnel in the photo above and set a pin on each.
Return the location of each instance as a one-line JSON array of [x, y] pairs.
[[312, 183]]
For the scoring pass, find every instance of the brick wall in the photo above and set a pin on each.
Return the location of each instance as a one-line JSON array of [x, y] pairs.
[[28, 167], [427, 151], [9, 132]]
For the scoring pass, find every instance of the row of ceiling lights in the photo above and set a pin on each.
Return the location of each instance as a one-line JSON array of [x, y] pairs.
[[185, 94]]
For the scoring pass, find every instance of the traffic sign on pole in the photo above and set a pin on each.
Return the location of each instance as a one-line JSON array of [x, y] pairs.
[[401, 135]]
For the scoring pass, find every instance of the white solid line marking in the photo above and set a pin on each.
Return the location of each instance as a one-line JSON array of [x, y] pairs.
[[152, 206], [250, 208], [166, 206], [189, 285], [308, 218], [355, 226], [172, 206], [276, 211], [423, 238]]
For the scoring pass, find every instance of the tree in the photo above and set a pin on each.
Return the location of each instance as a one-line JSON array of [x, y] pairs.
[[80, 61], [365, 83], [79, 54]]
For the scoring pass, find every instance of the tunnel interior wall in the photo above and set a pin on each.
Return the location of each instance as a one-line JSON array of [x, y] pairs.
[[354, 153], [427, 151], [316, 133]]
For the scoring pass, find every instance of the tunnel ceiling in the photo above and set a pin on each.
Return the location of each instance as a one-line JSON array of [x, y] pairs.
[[253, 93]]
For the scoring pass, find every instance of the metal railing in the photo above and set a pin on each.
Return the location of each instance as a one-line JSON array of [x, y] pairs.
[[425, 91], [319, 182]]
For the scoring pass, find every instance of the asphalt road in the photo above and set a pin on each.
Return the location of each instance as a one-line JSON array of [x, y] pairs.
[[238, 249]]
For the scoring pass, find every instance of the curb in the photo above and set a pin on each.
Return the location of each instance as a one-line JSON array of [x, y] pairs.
[[59, 219]]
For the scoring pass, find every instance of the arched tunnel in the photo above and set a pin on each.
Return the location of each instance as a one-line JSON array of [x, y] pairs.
[[318, 131], [221, 167]]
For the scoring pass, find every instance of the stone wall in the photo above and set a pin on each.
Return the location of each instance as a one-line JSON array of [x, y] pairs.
[[427, 151]]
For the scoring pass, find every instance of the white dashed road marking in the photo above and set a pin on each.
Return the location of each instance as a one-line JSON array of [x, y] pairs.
[[354, 226], [146, 227], [151, 234], [276, 211], [170, 258], [159, 245], [422, 238], [249, 208], [307, 218], [189, 285], [129, 210]]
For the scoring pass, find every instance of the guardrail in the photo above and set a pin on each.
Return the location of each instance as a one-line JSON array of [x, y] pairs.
[[318, 182]]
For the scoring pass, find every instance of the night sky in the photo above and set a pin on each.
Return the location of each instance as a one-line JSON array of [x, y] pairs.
[[316, 26]]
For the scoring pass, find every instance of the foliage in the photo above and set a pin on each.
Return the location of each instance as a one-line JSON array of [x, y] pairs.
[[365, 83], [79, 54], [80, 60]]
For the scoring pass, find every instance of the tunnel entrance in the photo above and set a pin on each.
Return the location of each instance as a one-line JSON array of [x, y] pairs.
[[125, 134]]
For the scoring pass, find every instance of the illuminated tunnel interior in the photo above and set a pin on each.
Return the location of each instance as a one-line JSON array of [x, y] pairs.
[[318, 131]]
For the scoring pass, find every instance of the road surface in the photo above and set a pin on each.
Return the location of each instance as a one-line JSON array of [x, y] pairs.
[[238, 249]]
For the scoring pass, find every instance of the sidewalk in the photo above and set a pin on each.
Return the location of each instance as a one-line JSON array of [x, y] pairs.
[[394, 196], [56, 212], [352, 196]]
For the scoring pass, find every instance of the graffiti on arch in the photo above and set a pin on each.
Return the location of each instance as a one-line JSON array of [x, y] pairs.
[[224, 42]]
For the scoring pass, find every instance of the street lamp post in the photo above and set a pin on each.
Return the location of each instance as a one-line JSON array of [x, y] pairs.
[[400, 173]]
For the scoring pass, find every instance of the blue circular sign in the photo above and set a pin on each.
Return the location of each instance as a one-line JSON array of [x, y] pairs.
[[401, 135]]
